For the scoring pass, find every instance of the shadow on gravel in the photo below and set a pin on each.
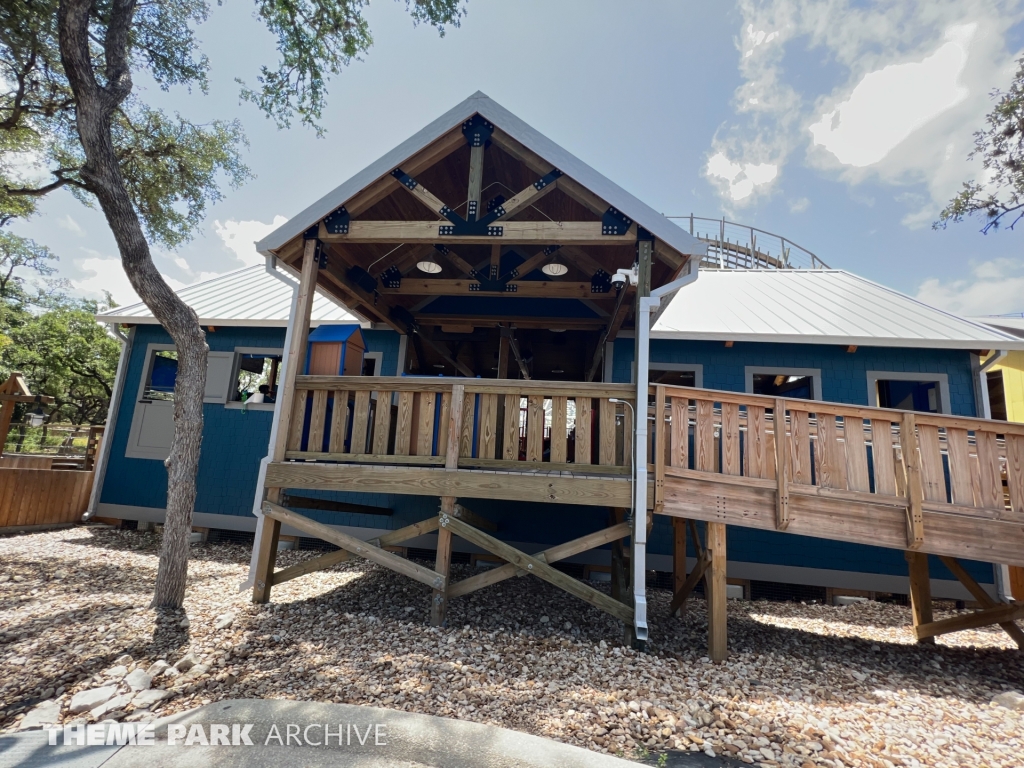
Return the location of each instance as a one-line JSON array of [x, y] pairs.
[[677, 758]]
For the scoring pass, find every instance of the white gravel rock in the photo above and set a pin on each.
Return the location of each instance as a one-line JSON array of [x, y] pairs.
[[116, 672], [224, 621], [1011, 700], [83, 701], [138, 680], [157, 668], [146, 699], [118, 702], [42, 715], [186, 662]]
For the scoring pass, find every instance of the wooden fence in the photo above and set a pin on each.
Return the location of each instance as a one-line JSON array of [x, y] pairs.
[[464, 423], [36, 497]]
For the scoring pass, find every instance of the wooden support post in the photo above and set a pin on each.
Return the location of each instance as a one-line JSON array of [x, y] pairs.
[[678, 554], [619, 568], [6, 414], [783, 470], [914, 487], [439, 602], [920, 591], [503, 355], [476, 179], [660, 427], [715, 586], [296, 357], [495, 269]]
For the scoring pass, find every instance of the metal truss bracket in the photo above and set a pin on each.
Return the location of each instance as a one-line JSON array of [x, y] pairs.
[[391, 277], [363, 279], [337, 222], [493, 286], [477, 131], [614, 222], [548, 179], [642, 235], [321, 256], [601, 282], [495, 202], [471, 228], [312, 233], [405, 179]]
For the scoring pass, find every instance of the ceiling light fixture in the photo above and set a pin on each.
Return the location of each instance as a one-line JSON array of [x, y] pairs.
[[554, 269], [429, 266]]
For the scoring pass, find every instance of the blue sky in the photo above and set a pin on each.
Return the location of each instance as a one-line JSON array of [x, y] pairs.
[[843, 126]]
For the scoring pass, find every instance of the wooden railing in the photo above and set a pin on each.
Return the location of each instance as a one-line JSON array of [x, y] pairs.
[[463, 423], [924, 462]]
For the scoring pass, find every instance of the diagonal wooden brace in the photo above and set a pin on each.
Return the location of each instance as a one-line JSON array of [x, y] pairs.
[[404, 534], [552, 555], [998, 614], [982, 597], [539, 569], [679, 598], [312, 565], [355, 546]]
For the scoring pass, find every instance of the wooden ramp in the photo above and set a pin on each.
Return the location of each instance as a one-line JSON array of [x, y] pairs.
[[922, 483]]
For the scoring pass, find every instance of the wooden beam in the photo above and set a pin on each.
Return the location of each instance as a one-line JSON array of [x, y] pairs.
[[920, 592], [678, 605], [445, 354], [374, 302], [718, 644], [551, 555], [783, 469], [522, 199], [584, 259], [538, 568], [530, 264], [355, 546], [538, 232], [503, 350], [618, 317], [457, 261], [266, 557], [476, 179], [915, 489], [520, 321], [443, 562], [495, 260], [471, 517], [404, 534], [428, 198], [312, 565], [998, 615], [678, 556], [473, 484], [982, 597], [527, 288], [307, 502]]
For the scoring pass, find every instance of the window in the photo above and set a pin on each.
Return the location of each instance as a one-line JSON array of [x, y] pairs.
[[257, 376], [676, 374], [794, 383], [996, 395], [922, 392], [371, 363], [163, 374]]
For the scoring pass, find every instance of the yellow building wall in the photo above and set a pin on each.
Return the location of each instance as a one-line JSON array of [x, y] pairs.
[[1012, 367]]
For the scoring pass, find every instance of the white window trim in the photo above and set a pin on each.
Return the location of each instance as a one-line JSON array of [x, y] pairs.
[[132, 451], [239, 351], [941, 378], [696, 368], [750, 371], [378, 358]]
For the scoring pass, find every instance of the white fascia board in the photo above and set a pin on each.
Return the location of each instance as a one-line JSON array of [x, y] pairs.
[[859, 341], [480, 103]]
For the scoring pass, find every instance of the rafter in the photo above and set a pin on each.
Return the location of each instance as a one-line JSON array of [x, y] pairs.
[[417, 286], [520, 321], [536, 232]]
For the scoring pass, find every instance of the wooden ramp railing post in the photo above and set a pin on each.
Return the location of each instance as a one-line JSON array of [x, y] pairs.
[[439, 600], [715, 586], [920, 591]]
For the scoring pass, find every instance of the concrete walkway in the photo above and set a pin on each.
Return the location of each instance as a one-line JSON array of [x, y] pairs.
[[390, 740]]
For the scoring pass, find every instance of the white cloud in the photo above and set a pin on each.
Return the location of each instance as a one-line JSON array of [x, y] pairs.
[[799, 205], [71, 225], [888, 105], [239, 237], [740, 180], [913, 84], [103, 274], [994, 287]]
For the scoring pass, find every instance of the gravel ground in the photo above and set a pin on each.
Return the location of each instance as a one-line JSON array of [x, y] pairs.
[[805, 685]]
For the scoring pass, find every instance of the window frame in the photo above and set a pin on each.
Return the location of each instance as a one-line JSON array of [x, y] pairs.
[[378, 358], [942, 379], [238, 352], [750, 371], [697, 369]]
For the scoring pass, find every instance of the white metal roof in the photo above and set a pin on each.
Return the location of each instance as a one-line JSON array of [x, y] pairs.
[[807, 306], [480, 103], [250, 296], [1013, 325]]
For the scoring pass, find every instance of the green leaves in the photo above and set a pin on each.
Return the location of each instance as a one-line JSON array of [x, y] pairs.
[[1001, 148]]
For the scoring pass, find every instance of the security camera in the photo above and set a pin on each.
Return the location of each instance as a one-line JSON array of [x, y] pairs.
[[620, 279]]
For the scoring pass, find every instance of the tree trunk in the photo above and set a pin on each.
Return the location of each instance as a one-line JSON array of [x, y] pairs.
[[95, 104]]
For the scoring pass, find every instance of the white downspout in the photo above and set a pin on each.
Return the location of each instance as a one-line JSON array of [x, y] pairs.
[[639, 556], [257, 503], [1002, 571], [100, 470]]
